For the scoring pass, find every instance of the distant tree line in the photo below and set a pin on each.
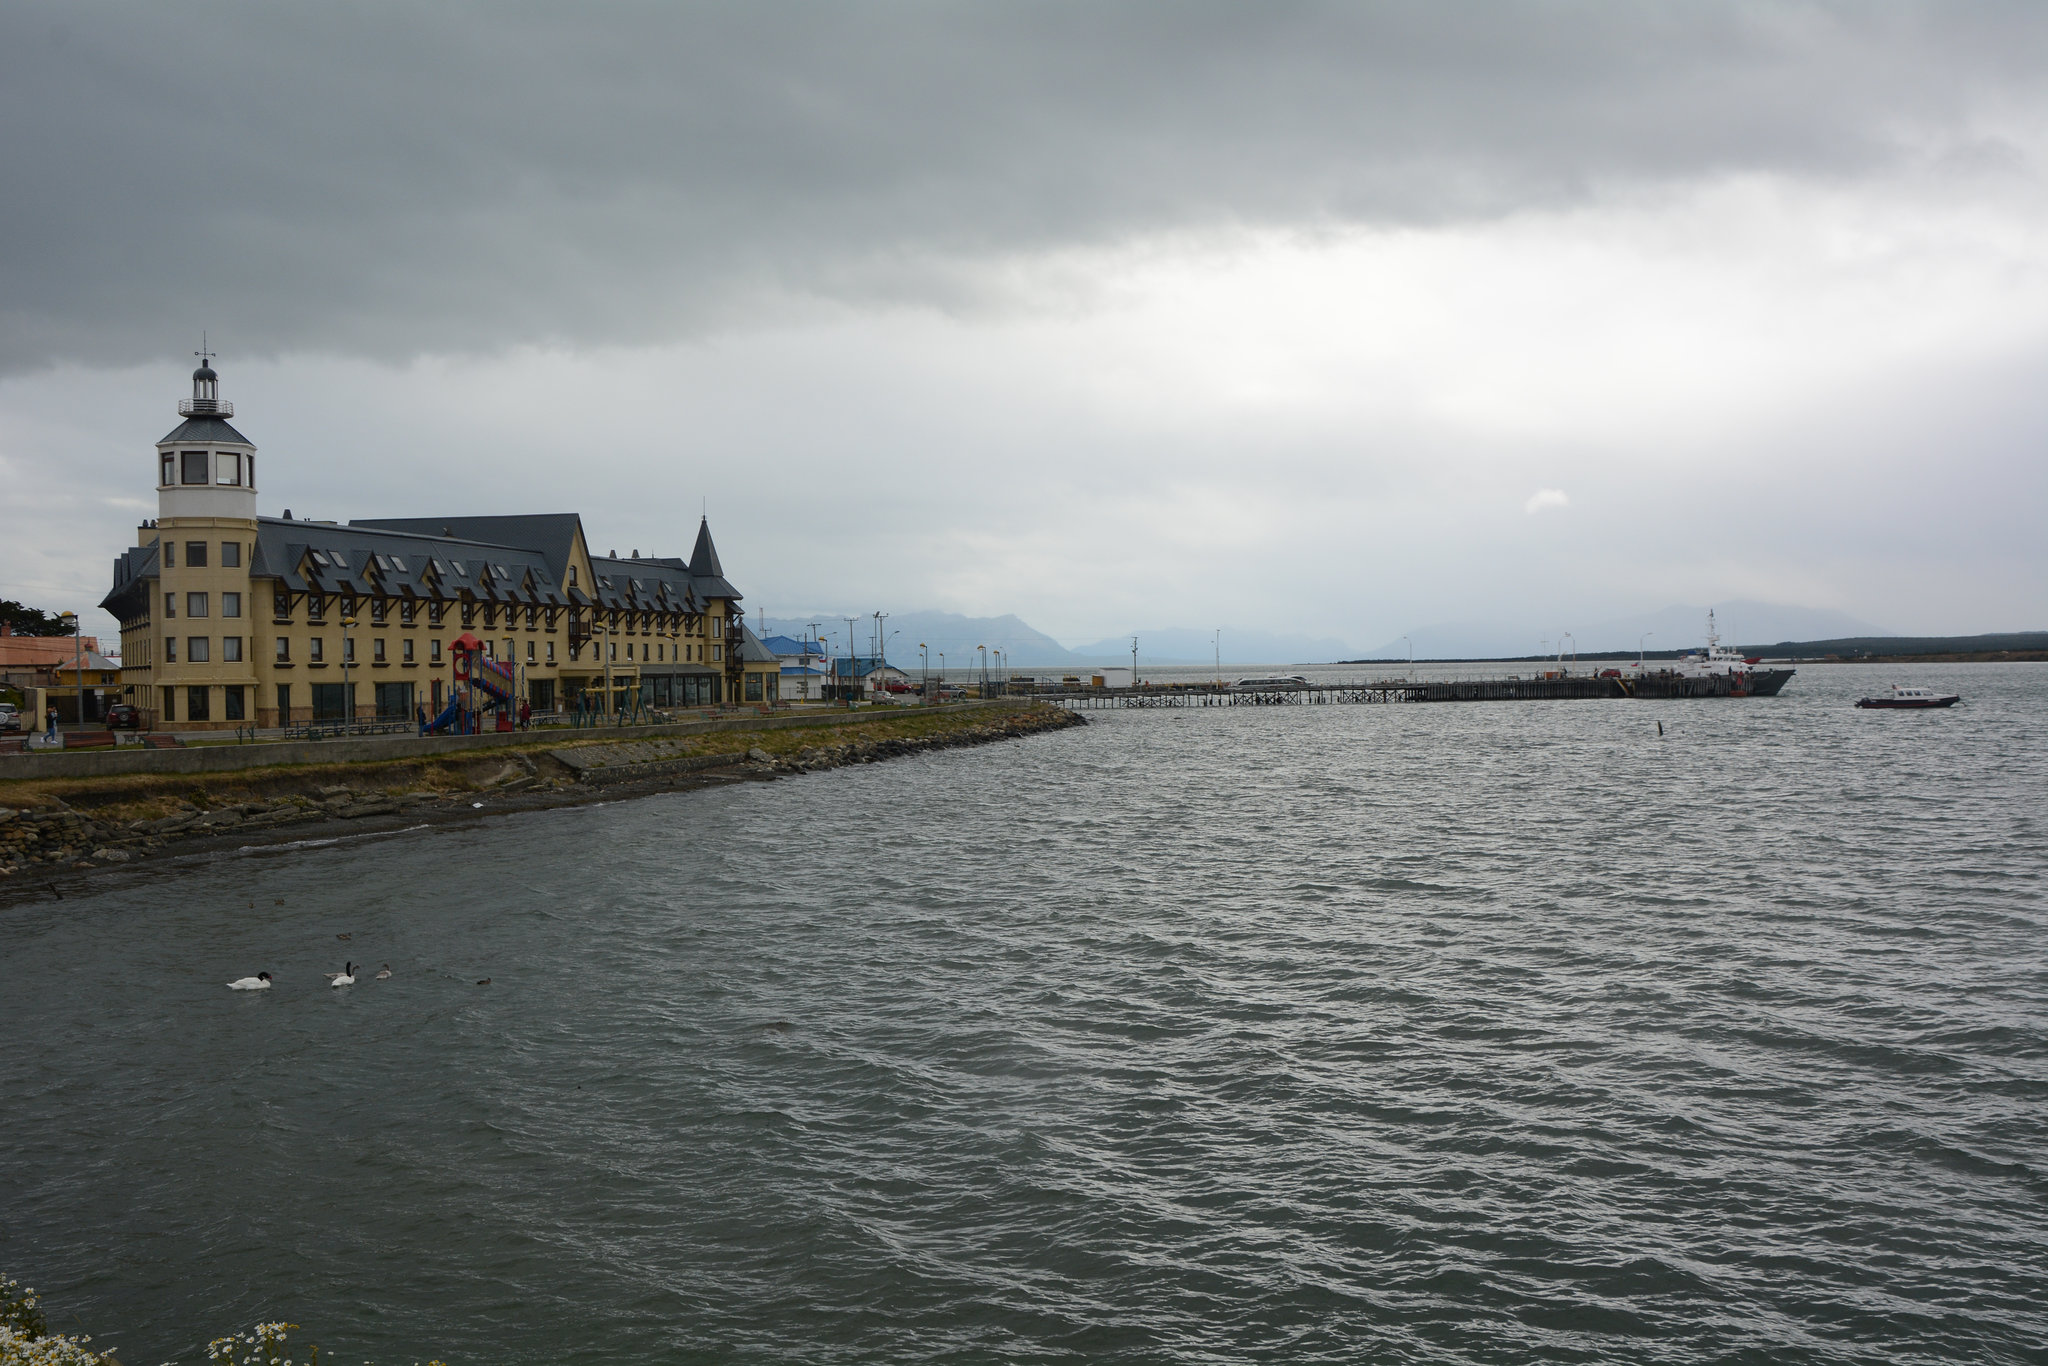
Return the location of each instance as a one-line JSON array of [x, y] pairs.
[[27, 621]]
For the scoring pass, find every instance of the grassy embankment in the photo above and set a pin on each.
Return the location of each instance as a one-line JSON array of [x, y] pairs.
[[150, 796]]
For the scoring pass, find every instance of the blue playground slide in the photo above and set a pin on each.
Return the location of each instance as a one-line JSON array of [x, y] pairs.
[[447, 717]]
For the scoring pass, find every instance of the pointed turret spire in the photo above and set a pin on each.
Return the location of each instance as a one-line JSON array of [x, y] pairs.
[[704, 559]]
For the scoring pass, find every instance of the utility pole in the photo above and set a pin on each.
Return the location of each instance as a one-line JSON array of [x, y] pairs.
[[1134, 661]]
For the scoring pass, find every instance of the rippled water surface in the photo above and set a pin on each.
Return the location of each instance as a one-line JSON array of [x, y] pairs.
[[1487, 1033]]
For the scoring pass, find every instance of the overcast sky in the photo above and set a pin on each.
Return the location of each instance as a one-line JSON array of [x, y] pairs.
[[1339, 319]]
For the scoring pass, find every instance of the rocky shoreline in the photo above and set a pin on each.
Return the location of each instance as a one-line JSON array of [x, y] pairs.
[[55, 842]]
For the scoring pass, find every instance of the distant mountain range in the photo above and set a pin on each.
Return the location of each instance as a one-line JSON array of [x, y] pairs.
[[1742, 622], [956, 636]]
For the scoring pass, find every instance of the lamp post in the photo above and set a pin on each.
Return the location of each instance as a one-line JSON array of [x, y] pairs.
[[77, 661], [1639, 648], [942, 671], [852, 664], [348, 697], [984, 669], [1134, 663], [1411, 653], [924, 670]]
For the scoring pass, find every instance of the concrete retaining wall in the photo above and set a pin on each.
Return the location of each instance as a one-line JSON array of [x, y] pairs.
[[106, 763]]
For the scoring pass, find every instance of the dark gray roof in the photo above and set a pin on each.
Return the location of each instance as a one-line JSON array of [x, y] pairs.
[[326, 557], [206, 431], [704, 558], [752, 651], [134, 568]]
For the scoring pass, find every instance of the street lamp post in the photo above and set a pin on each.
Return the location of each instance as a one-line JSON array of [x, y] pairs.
[[348, 697], [1134, 663], [77, 661], [852, 665]]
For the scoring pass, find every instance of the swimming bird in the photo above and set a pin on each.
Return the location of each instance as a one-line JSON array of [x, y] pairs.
[[345, 978], [344, 936], [384, 972], [260, 982], [483, 981]]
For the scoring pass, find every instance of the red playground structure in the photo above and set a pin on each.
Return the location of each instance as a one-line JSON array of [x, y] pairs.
[[481, 685]]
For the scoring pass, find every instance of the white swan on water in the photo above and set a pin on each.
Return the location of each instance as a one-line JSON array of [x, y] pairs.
[[260, 982], [345, 978]]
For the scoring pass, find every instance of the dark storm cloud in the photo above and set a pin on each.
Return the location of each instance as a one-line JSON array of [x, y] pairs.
[[401, 178]]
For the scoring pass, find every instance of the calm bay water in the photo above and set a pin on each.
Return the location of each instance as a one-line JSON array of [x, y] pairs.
[[1488, 1033]]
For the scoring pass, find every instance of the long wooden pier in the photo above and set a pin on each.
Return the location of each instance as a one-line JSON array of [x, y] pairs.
[[1543, 687]]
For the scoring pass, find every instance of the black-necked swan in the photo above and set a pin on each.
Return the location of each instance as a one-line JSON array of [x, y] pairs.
[[385, 972], [345, 978], [260, 982]]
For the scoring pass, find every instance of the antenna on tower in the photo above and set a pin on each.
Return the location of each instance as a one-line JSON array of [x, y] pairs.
[[204, 353]]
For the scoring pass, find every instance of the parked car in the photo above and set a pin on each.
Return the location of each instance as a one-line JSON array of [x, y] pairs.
[[10, 718], [121, 716]]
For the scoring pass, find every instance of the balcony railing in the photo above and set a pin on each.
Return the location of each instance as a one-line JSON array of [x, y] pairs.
[[205, 407]]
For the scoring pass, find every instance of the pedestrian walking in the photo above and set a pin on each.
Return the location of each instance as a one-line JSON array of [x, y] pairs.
[[51, 733]]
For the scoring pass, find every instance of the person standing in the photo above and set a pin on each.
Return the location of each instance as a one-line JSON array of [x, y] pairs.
[[420, 713], [525, 713], [51, 733]]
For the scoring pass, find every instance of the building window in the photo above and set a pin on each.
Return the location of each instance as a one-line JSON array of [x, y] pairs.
[[170, 558], [195, 554], [229, 469], [718, 654], [231, 649], [284, 650], [231, 704], [551, 652], [284, 704], [281, 605], [230, 554], [614, 648], [408, 650], [316, 651], [377, 650], [529, 652], [437, 652], [249, 465], [192, 468], [408, 612], [170, 649], [231, 604], [169, 474], [196, 651], [170, 603], [195, 604], [316, 606], [170, 706], [348, 649], [753, 687], [532, 616], [380, 611], [196, 706], [572, 576], [490, 650], [511, 652], [435, 611]]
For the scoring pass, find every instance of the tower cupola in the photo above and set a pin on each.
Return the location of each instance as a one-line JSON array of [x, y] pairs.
[[206, 468]]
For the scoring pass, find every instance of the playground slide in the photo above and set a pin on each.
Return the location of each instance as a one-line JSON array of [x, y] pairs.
[[446, 719]]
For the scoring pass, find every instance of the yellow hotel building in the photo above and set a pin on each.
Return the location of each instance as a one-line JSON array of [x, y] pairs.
[[229, 618]]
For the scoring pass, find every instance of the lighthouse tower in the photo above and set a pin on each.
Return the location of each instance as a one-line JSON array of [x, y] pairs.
[[186, 638]]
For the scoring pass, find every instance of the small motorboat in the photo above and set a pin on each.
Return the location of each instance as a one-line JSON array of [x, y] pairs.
[[1912, 699]]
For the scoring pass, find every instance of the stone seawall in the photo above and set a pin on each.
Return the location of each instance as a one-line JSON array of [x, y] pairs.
[[106, 763]]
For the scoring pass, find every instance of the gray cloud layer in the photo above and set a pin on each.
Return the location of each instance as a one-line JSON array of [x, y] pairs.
[[401, 179]]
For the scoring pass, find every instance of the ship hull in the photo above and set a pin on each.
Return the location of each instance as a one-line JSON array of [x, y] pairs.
[[1755, 683]]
